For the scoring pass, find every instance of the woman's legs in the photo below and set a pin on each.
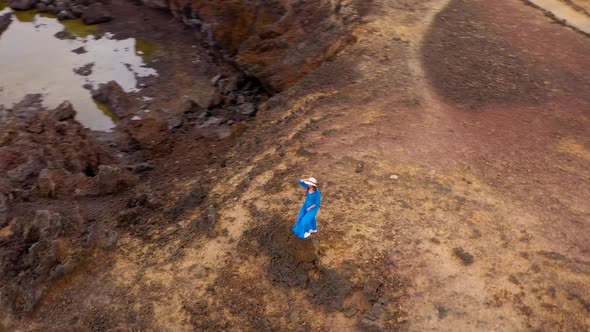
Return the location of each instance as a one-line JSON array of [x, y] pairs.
[[314, 225]]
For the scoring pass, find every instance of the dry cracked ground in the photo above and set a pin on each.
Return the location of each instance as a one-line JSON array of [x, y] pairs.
[[481, 110]]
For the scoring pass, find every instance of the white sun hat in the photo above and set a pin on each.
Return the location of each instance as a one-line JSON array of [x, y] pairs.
[[311, 182]]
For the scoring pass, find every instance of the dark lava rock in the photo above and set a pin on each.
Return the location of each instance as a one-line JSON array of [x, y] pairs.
[[442, 311], [466, 257], [65, 111], [22, 4], [46, 224], [115, 98], [31, 261], [62, 34], [96, 13], [41, 7], [27, 267], [77, 10], [140, 168], [65, 15], [84, 70], [175, 123], [5, 21], [150, 132]]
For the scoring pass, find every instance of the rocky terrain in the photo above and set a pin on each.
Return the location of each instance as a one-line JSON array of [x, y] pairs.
[[450, 143]]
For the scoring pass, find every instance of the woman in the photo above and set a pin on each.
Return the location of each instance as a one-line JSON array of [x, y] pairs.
[[306, 222]]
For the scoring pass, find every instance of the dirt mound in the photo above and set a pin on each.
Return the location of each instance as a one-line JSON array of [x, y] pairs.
[[295, 262]]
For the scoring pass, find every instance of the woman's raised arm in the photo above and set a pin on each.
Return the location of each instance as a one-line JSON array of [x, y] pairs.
[[302, 183]]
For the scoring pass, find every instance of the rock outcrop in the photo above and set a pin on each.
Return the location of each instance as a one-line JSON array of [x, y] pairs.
[[277, 41]]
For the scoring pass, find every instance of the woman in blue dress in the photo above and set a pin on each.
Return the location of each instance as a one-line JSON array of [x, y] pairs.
[[306, 222]]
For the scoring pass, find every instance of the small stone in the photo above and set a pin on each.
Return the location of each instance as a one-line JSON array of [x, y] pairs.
[[79, 50], [393, 177], [63, 15], [350, 311], [175, 123], [466, 257], [216, 79], [212, 121], [61, 34], [141, 167], [85, 70], [247, 109]]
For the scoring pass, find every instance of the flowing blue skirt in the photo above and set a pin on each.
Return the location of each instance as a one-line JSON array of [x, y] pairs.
[[306, 223]]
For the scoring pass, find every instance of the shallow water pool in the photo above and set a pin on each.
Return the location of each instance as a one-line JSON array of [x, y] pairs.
[[33, 60]]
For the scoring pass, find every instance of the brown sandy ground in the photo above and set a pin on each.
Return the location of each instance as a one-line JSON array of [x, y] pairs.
[[481, 110]]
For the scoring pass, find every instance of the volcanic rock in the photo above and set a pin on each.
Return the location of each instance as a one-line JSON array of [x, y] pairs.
[[96, 13], [5, 21], [65, 111], [22, 4], [115, 98]]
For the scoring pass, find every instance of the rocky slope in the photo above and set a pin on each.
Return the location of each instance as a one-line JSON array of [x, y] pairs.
[[278, 42]]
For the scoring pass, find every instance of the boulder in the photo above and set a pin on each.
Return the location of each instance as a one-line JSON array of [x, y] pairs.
[[150, 132], [65, 15], [22, 4], [65, 111], [41, 7], [96, 13], [115, 98], [46, 225], [77, 10]]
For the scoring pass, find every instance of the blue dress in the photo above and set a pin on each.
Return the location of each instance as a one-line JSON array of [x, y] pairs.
[[306, 222]]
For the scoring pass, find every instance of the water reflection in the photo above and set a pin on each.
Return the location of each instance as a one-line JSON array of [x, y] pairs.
[[33, 60]]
